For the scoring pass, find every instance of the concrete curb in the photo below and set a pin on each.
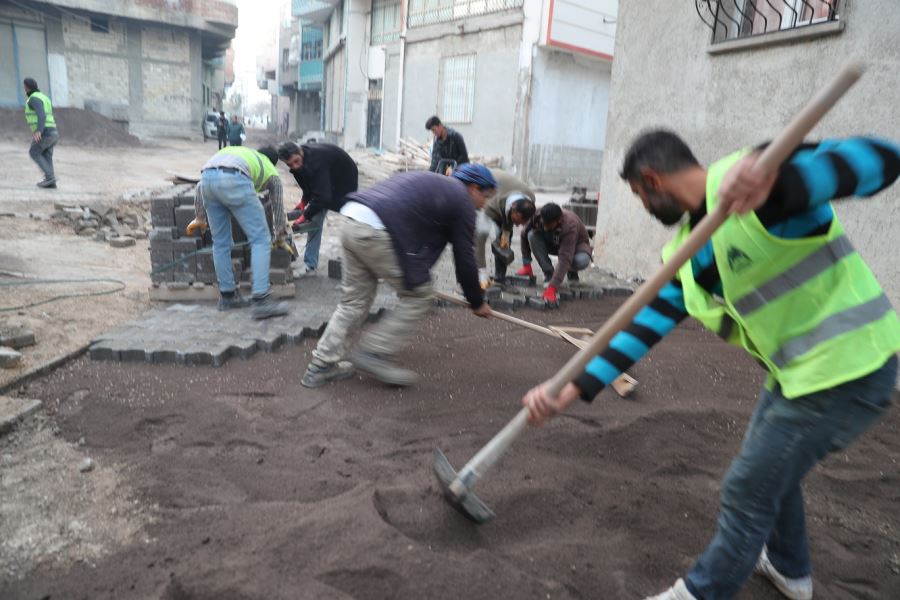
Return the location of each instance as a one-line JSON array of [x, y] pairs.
[[43, 369]]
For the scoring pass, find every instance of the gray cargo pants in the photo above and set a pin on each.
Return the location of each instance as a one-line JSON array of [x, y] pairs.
[[42, 152], [368, 255]]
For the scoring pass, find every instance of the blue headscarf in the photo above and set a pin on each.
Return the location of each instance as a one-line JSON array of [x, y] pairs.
[[475, 173]]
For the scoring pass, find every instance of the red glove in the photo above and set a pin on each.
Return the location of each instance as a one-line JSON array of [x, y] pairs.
[[550, 295], [301, 206], [525, 271], [297, 223]]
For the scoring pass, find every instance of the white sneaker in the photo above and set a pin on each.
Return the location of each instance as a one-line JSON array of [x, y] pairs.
[[678, 591], [795, 589]]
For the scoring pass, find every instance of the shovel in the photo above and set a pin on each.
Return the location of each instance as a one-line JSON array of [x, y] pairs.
[[457, 486]]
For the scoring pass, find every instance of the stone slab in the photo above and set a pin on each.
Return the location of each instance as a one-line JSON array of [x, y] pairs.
[[9, 358], [16, 337]]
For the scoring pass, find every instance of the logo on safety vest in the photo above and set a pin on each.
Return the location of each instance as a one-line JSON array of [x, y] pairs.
[[737, 260]]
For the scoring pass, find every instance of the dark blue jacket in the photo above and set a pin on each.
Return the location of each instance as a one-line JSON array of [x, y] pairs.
[[422, 212]]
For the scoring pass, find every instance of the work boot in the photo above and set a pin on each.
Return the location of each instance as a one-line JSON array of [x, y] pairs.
[[317, 375], [49, 182], [678, 591], [795, 589], [383, 369], [265, 307], [232, 300]]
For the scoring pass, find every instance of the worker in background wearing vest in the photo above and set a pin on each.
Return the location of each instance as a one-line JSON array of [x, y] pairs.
[[229, 186], [781, 279], [39, 116]]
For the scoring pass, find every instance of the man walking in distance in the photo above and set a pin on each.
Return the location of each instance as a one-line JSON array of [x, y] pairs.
[[235, 131], [448, 150], [781, 279], [222, 130], [556, 231], [512, 204], [326, 174], [44, 136], [229, 186], [396, 231]]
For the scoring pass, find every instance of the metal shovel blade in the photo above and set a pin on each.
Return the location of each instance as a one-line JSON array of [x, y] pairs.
[[468, 505]]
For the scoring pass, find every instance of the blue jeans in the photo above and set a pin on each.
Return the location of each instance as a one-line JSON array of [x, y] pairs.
[[314, 240], [225, 194], [761, 501]]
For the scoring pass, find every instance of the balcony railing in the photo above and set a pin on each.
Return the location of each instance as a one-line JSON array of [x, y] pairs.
[[732, 19], [428, 12]]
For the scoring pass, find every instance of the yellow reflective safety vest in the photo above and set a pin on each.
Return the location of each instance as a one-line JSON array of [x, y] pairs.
[[31, 117], [809, 309], [261, 168]]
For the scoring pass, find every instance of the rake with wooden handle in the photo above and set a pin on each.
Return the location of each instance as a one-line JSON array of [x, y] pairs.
[[457, 487], [624, 384]]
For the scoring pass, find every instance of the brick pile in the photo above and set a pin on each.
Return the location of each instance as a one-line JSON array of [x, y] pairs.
[[178, 260]]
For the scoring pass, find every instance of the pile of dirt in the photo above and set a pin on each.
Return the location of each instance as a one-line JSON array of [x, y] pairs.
[[77, 127]]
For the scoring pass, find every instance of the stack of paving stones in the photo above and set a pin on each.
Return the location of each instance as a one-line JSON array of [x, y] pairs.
[[179, 261]]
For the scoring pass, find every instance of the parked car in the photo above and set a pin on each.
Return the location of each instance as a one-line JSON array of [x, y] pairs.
[[211, 125]]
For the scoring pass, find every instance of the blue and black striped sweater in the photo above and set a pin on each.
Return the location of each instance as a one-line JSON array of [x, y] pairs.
[[799, 206]]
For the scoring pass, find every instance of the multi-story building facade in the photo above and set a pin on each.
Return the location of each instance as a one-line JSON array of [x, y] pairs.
[[524, 80], [156, 67]]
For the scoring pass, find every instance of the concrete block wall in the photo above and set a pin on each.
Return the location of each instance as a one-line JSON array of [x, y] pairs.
[[96, 62], [168, 100], [165, 44]]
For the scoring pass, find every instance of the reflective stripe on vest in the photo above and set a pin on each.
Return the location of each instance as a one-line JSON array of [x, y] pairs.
[[833, 326], [806, 269], [31, 117]]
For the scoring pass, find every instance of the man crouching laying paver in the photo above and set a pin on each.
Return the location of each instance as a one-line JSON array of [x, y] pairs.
[[396, 230], [229, 184]]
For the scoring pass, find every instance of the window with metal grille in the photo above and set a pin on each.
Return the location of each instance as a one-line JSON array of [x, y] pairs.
[[426, 12], [385, 21], [732, 19], [456, 89]]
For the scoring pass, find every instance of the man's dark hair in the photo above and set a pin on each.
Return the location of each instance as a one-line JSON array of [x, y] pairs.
[[221, 113], [270, 153], [524, 207], [432, 122], [31, 84], [287, 150], [659, 150], [551, 212]]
